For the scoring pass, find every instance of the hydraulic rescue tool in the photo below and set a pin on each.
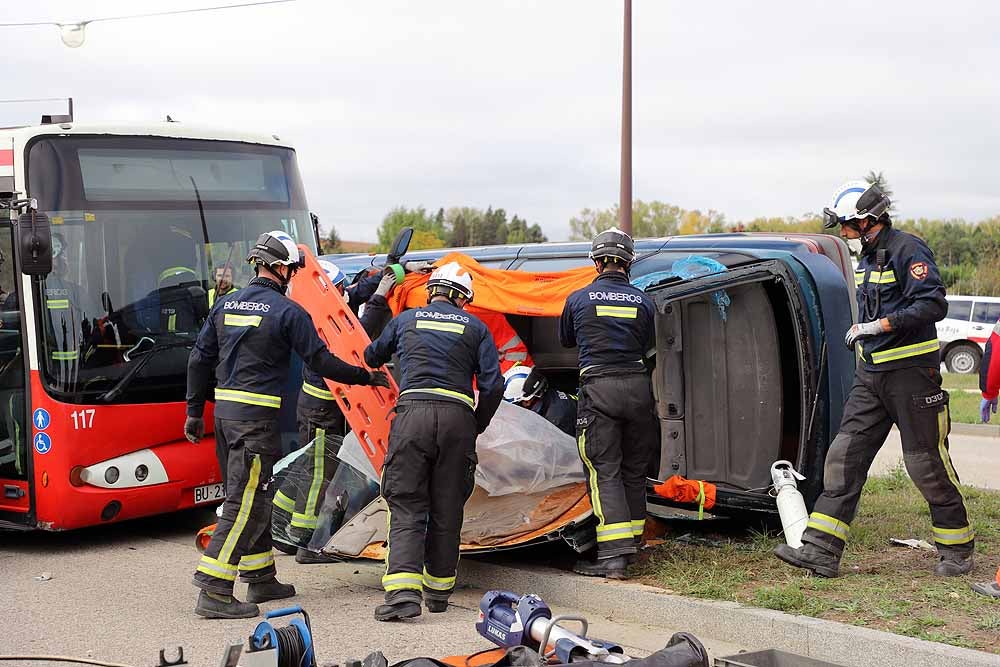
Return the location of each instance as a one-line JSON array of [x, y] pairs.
[[508, 619]]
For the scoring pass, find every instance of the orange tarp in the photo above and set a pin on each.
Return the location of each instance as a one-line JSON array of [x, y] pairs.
[[510, 292]]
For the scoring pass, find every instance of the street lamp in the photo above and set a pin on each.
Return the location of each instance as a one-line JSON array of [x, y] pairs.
[[73, 34], [625, 199]]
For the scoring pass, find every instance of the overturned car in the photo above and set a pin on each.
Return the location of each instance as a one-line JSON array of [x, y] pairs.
[[749, 370]]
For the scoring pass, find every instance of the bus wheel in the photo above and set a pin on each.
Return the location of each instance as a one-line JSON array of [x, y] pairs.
[[962, 358], [203, 537]]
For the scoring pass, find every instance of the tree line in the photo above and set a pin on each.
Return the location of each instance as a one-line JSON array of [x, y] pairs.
[[967, 253]]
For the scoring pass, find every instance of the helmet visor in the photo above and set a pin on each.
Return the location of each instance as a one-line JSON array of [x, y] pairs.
[[830, 219]]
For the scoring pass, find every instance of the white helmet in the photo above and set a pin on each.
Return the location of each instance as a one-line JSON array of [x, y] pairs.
[[448, 279], [275, 247], [522, 383], [855, 200], [332, 271]]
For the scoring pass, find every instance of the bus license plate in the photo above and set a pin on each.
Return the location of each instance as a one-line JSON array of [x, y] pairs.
[[208, 493]]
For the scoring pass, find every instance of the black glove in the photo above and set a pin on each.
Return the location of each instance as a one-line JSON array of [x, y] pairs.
[[378, 379], [194, 429]]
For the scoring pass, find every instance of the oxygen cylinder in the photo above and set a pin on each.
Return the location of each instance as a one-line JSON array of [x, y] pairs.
[[791, 504]]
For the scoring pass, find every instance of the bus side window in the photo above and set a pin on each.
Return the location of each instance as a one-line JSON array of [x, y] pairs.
[[13, 436]]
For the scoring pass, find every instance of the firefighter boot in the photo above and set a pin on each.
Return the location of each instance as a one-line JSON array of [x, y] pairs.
[[988, 588], [436, 605], [213, 605], [953, 565], [610, 568], [271, 589], [306, 557], [810, 557], [399, 605]]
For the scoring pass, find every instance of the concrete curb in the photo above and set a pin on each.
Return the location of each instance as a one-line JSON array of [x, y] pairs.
[[982, 430], [753, 629]]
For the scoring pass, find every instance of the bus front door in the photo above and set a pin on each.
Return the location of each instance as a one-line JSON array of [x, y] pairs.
[[14, 460]]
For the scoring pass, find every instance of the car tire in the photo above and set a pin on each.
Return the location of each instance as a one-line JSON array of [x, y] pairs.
[[963, 358]]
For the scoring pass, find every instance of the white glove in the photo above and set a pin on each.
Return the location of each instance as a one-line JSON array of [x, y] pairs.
[[418, 267], [859, 331], [386, 284]]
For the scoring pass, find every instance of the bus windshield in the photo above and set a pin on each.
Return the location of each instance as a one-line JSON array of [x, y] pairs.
[[147, 233]]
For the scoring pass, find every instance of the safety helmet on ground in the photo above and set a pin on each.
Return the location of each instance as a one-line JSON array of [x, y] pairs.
[[333, 272], [613, 244], [523, 383], [855, 200], [273, 248], [451, 281]]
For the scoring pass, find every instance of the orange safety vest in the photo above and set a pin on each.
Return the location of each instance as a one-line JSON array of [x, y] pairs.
[[510, 347]]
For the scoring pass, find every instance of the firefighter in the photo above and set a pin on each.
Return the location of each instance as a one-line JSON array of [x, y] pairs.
[[900, 298], [430, 467], [321, 422], [989, 385], [247, 341], [527, 387], [69, 313], [611, 322], [223, 283]]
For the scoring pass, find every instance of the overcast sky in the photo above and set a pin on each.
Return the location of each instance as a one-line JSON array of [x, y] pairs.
[[748, 108]]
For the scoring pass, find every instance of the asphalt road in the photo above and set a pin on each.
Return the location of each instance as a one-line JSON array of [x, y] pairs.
[[976, 458], [121, 593]]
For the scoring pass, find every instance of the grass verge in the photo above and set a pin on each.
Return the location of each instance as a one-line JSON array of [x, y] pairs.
[[881, 586], [964, 390]]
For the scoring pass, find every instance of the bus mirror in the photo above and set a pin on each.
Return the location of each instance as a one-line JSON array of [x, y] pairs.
[[35, 242]]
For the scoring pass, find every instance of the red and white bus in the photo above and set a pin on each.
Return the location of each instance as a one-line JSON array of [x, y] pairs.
[[93, 354]]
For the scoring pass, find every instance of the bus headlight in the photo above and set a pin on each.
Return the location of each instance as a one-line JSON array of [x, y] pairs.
[[142, 468]]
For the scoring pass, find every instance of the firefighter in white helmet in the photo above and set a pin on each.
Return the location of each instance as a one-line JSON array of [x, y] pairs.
[[900, 298], [529, 388], [430, 467]]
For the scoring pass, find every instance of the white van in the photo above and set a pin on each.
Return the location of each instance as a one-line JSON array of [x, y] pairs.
[[965, 330]]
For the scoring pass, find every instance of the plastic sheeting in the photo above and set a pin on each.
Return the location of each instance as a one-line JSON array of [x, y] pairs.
[[522, 452], [337, 495], [692, 266]]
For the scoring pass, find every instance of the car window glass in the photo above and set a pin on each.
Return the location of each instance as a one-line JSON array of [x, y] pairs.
[[959, 310], [544, 264], [986, 313]]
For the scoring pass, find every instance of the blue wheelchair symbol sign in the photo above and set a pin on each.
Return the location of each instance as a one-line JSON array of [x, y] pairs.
[[42, 443], [40, 418]]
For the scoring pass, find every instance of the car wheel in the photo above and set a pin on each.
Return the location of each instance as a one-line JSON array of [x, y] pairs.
[[962, 359]]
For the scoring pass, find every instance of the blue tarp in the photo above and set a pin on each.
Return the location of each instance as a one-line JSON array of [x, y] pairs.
[[692, 266]]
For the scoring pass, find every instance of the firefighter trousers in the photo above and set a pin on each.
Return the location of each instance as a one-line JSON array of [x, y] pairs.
[[617, 433], [301, 492], [428, 475], [913, 400], [241, 543]]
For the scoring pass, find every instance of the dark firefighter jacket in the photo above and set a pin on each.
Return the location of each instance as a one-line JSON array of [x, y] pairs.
[[247, 340], [897, 279], [611, 322], [440, 348]]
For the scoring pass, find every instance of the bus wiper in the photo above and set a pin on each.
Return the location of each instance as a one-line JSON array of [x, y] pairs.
[[122, 385]]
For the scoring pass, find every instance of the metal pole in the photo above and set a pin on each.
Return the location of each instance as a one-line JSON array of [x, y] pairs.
[[625, 200]]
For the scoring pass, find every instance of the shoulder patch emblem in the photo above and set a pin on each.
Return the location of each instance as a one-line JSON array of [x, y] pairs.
[[919, 270]]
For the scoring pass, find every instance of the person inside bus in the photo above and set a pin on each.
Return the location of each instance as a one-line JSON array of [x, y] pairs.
[[182, 300], [223, 283], [69, 314]]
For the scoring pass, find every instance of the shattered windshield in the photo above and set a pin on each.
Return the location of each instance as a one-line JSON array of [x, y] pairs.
[[147, 232]]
